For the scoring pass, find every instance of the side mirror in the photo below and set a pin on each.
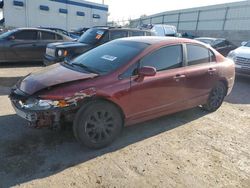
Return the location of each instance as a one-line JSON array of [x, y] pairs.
[[243, 43], [147, 71]]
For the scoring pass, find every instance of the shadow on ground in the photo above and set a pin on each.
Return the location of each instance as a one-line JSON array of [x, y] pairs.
[[240, 92], [28, 154]]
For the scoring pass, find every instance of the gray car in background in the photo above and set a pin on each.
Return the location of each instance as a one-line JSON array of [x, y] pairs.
[[27, 44]]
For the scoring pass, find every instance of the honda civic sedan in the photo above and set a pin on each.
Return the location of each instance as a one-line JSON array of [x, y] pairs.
[[122, 83]]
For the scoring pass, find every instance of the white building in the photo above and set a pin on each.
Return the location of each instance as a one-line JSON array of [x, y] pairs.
[[65, 14]]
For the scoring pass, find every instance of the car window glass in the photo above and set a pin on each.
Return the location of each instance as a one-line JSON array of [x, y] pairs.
[[158, 30], [61, 32], [148, 33], [197, 54], [47, 35], [118, 34], [131, 71], [212, 57], [170, 30], [165, 58], [26, 35], [136, 33], [110, 56], [219, 43], [59, 37], [92, 36], [105, 38]]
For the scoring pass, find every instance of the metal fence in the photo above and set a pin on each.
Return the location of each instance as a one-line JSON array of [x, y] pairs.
[[230, 16]]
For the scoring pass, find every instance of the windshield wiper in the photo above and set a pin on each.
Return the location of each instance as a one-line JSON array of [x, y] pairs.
[[86, 68]]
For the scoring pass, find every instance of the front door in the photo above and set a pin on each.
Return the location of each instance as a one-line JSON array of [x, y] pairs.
[[163, 91]]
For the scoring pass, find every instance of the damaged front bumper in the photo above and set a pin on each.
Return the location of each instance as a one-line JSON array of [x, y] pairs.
[[43, 118], [47, 112]]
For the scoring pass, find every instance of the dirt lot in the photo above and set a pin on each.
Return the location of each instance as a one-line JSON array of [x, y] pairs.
[[187, 149]]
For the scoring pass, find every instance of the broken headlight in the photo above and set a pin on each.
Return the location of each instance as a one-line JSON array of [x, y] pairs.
[[39, 104]]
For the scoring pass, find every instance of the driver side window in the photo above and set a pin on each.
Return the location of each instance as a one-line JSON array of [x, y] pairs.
[[169, 57], [26, 35]]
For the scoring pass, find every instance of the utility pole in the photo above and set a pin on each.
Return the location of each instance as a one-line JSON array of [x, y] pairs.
[[103, 2]]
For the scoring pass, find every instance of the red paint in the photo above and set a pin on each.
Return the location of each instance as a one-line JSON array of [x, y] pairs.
[[140, 99]]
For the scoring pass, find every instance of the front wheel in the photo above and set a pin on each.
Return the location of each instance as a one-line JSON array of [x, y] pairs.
[[216, 97], [98, 124]]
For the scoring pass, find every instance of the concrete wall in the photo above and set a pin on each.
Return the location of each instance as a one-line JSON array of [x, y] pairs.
[[32, 15], [230, 20]]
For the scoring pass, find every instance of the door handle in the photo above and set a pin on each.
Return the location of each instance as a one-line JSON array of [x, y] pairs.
[[178, 77], [33, 44], [211, 71]]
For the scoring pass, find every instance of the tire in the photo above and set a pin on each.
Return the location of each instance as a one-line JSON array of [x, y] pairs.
[[98, 124], [216, 97]]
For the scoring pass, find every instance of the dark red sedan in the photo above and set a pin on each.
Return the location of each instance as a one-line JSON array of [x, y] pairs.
[[124, 82]]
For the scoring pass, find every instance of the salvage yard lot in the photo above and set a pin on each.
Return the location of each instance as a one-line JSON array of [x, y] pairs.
[[187, 149]]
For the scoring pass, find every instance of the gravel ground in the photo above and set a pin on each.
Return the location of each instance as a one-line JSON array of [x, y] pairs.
[[187, 149]]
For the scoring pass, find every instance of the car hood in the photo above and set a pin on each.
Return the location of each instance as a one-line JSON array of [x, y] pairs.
[[67, 45], [51, 76], [243, 51]]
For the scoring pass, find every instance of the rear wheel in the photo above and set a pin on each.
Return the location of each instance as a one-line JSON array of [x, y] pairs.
[[216, 97], [98, 124]]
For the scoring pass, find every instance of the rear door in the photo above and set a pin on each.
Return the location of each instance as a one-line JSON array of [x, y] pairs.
[[162, 92], [21, 48], [45, 37], [201, 73]]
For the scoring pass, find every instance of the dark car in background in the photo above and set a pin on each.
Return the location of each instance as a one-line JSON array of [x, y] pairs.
[[221, 45], [27, 44], [57, 52], [124, 82], [62, 31], [78, 32]]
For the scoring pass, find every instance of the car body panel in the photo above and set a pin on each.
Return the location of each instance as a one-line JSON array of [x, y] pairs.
[[55, 75], [138, 98]]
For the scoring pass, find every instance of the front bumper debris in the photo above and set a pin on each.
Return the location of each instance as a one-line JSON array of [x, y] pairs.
[[50, 118]]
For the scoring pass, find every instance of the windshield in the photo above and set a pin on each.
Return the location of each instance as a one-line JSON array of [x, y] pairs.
[[92, 36], [110, 56], [247, 44], [6, 34]]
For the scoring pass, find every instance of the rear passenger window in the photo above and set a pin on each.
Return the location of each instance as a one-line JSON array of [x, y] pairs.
[[165, 58], [26, 35], [47, 36], [118, 34], [197, 54], [136, 33]]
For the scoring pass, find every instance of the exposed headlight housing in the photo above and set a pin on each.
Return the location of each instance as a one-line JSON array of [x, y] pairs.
[[39, 104], [62, 53]]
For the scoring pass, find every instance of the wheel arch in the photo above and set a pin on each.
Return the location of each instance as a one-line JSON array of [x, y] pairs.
[[225, 82], [89, 100]]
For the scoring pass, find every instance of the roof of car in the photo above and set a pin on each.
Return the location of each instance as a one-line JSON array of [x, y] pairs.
[[34, 28], [121, 28], [209, 38], [158, 39]]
